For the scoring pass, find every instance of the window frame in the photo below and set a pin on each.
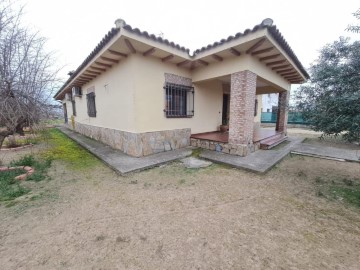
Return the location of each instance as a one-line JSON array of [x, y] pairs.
[[91, 104], [179, 100]]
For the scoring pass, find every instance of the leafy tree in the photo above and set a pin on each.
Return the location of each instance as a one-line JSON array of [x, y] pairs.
[[331, 100], [27, 77], [355, 28]]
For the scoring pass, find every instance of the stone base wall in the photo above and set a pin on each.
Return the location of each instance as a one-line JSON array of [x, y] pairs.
[[137, 144], [232, 149]]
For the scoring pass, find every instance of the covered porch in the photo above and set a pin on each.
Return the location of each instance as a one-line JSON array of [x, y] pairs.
[[263, 138]]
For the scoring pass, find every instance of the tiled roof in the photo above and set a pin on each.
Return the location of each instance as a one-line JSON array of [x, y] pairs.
[[98, 48], [155, 38], [272, 30], [275, 33]]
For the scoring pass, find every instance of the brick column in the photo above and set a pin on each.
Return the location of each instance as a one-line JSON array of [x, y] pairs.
[[282, 113], [242, 105]]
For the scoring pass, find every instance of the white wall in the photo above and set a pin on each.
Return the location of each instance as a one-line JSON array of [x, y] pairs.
[[114, 99], [150, 99]]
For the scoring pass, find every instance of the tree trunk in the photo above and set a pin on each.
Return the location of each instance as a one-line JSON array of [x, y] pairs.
[[3, 134], [20, 130]]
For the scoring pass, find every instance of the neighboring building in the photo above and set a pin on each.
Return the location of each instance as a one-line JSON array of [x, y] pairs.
[[143, 94], [269, 102]]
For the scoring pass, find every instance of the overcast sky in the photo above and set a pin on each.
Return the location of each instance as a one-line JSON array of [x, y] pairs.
[[75, 27]]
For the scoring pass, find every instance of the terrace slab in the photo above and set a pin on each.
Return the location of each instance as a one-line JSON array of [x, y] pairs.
[[327, 152], [260, 161], [121, 162]]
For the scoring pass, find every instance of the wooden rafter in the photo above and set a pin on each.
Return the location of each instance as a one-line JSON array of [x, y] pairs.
[[130, 46], [289, 73], [110, 60], [192, 66], [150, 51], [284, 70], [262, 51], [270, 57], [117, 53], [256, 45], [217, 57], [292, 77], [280, 67], [183, 63], [99, 69], [102, 64], [85, 76], [167, 58], [235, 51], [275, 63], [93, 72], [203, 62]]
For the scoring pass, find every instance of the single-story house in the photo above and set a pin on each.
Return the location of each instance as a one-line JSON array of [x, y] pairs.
[[143, 94]]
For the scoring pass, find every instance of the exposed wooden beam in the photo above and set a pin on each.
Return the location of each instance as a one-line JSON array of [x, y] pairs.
[[93, 72], [99, 69], [203, 62], [292, 77], [275, 63], [280, 67], [130, 46], [85, 76], [217, 57], [262, 51], [235, 52], [192, 66], [103, 64], [256, 45], [150, 51], [289, 73], [167, 58], [284, 70], [118, 53], [110, 60], [183, 63], [270, 57]]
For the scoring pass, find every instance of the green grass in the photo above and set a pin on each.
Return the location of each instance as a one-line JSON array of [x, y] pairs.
[[40, 166], [9, 187], [65, 149], [339, 188]]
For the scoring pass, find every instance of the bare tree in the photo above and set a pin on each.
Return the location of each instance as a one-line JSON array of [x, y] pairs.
[[27, 77]]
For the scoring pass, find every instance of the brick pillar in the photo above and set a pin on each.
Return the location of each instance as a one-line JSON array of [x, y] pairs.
[[242, 105], [282, 113]]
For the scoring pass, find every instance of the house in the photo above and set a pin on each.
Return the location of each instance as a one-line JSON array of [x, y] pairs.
[[143, 94]]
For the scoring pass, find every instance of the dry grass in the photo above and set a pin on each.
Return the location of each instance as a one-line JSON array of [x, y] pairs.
[[171, 217]]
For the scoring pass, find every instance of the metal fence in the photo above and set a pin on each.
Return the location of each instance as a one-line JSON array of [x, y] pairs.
[[293, 118]]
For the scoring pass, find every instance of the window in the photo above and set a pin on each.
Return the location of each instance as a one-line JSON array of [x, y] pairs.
[[91, 108], [73, 106], [179, 100]]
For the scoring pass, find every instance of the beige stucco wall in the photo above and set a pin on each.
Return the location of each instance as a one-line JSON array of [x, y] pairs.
[[236, 64], [130, 97], [150, 99], [114, 100]]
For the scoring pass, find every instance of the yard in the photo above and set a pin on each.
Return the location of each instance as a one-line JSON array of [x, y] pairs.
[[303, 214]]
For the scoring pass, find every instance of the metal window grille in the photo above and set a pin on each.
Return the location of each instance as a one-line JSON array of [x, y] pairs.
[[73, 107], [179, 101], [91, 108]]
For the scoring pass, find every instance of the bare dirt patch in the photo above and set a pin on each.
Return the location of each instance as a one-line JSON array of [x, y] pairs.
[[171, 217]]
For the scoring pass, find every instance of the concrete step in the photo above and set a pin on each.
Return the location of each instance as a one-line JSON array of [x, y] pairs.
[[272, 141]]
